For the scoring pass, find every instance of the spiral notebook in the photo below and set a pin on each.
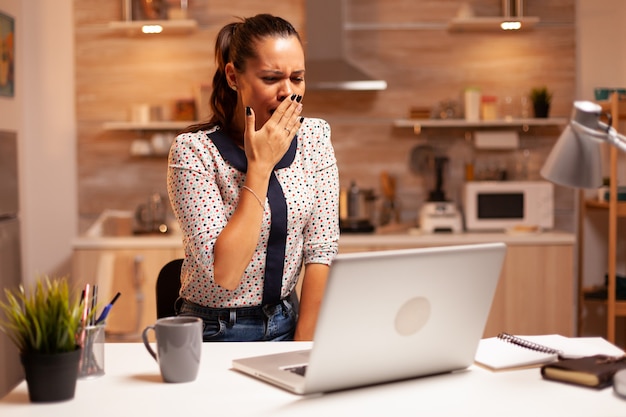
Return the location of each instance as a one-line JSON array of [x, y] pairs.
[[507, 352]]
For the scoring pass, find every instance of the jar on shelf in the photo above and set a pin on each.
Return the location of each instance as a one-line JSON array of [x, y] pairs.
[[489, 107], [472, 104]]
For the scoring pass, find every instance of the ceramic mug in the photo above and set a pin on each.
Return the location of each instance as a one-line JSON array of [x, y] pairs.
[[179, 345]]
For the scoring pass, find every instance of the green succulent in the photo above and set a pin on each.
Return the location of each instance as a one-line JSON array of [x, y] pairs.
[[540, 95], [44, 320]]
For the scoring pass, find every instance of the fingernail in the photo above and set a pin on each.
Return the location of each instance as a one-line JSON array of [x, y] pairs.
[[301, 119], [248, 111], [299, 98], [293, 97]]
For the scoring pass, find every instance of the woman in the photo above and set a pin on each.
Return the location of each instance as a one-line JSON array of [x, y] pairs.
[[255, 191]]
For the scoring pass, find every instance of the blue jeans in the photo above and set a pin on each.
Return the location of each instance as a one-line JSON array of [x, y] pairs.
[[247, 324]]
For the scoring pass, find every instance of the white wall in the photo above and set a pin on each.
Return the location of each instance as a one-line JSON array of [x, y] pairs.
[[601, 31], [10, 109], [601, 62], [42, 113]]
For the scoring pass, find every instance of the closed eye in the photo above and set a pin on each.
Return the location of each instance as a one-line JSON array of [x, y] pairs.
[[276, 76]]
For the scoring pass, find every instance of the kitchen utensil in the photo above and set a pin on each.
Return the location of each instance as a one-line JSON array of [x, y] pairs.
[[161, 143], [388, 185], [140, 147], [388, 213], [356, 208], [150, 217]]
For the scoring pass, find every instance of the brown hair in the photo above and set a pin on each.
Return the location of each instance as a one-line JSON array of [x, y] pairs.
[[236, 43]]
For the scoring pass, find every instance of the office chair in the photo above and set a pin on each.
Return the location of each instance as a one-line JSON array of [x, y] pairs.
[[167, 288]]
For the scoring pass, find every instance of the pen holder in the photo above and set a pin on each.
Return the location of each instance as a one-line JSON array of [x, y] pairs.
[[92, 357]]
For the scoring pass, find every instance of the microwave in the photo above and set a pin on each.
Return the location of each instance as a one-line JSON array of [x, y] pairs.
[[501, 205]]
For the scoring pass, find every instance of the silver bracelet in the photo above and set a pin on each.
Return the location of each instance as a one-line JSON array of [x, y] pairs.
[[255, 196]]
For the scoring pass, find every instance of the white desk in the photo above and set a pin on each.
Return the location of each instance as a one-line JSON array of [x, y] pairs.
[[132, 386]]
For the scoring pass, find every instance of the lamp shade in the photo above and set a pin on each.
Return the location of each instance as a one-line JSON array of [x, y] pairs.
[[575, 160]]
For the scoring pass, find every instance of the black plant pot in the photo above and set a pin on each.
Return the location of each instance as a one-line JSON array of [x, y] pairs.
[[51, 377], [541, 109]]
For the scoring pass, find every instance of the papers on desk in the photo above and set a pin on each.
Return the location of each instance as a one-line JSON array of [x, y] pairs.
[[497, 354]]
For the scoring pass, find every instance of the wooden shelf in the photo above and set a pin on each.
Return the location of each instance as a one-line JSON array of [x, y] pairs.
[[620, 305], [418, 124], [614, 209], [172, 125], [490, 24], [169, 27], [604, 205]]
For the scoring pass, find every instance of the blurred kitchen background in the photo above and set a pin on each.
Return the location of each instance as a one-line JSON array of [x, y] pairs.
[[82, 82], [407, 44]]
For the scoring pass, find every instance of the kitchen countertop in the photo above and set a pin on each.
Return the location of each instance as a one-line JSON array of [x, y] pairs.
[[396, 238], [169, 241], [416, 237]]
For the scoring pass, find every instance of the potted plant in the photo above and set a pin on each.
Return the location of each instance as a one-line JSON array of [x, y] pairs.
[[541, 98], [44, 324]]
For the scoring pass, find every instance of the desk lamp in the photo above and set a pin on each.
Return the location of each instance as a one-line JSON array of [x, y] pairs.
[[575, 160]]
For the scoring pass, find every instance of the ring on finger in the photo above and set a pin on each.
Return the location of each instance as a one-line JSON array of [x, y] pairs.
[[288, 130]]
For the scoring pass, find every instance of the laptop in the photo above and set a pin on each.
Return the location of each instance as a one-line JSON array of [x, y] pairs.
[[391, 315]]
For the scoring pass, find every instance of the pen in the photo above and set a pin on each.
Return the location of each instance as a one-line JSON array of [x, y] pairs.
[[85, 313], [94, 302], [107, 308]]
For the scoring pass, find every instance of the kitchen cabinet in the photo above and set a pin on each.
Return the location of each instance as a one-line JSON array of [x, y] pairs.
[[615, 210], [131, 271], [535, 294]]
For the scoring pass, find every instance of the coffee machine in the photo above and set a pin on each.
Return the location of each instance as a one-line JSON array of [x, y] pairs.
[[438, 214]]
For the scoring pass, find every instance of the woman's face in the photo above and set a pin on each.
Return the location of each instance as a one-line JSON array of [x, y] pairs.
[[277, 73]]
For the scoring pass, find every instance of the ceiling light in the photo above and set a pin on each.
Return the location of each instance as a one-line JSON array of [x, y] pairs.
[[511, 25], [152, 29]]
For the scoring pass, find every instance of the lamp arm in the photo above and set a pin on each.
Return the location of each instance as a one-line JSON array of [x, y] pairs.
[[617, 140], [608, 134]]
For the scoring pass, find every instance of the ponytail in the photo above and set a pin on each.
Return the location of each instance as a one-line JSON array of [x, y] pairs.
[[236, 42]]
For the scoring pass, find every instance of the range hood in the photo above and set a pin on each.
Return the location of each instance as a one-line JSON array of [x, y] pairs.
[[326, 65]]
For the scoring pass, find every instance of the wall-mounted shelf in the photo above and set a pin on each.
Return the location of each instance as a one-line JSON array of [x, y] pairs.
[[594, 204], [419, 124], [171, 125], [490, 24], [169, 27]]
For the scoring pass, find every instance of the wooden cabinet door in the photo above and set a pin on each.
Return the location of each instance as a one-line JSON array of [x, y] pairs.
[[536, 293]]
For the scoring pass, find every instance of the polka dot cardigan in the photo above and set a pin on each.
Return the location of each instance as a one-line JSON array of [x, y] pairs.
[[204, 180]]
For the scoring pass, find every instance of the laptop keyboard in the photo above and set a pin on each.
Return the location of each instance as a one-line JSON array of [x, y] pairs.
[[300, 369]]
